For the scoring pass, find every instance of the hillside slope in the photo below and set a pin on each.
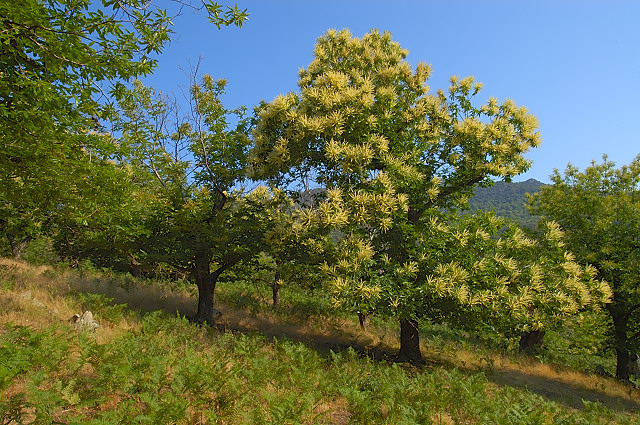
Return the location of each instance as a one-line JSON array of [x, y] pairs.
[[507, 200], [255, 368]]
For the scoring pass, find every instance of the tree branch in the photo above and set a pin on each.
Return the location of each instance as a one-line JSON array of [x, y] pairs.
[[415, 213], [472, 181]]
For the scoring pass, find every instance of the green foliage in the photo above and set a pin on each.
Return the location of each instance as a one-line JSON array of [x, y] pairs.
[[293, 244], [479, 271], [21, 349], [102, 306], [61, 62], [168, 370], [24, 352], [599, 209], [391, 156], [58, 53], [41, 251], [108, 230], [201, 222], [582, 342], [297, 301]]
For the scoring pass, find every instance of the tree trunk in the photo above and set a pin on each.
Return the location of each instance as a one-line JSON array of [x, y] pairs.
[[531, 342], [206, 286], [17, 246], [410, 342], [622, 366], [206, 281], [364, 320], [620, 317], [620, 323], [275, 289]]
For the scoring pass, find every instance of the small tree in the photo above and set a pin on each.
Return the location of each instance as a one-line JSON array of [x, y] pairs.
[[293, 241], [202, 222], [391, 156], [599, 210]]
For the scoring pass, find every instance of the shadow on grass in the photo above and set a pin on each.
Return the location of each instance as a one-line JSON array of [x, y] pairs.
[[144, 298], [571, 395], [326, 336]]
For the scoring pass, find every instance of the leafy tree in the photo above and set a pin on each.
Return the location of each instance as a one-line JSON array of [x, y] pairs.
[[599, 209], [59, 60], [481, 272], [391, 155], [202, 221], [207, 240], [107, 219], [20, 219], [293, 243]]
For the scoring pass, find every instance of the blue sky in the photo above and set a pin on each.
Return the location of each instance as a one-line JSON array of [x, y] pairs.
[[573, 64]]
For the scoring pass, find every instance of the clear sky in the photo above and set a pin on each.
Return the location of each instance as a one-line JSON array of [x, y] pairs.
[[575, 64]]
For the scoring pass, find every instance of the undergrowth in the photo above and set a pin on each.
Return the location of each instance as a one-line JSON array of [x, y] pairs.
[[168, 370], [295, 301], [163, 369]]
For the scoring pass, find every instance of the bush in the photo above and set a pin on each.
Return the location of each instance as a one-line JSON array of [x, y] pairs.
[[40, 251], [582, 342]]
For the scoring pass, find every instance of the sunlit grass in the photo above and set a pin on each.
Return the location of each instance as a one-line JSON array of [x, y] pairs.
[[152, 366]]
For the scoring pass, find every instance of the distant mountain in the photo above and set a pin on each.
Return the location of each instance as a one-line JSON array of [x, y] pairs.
[[507, 200]]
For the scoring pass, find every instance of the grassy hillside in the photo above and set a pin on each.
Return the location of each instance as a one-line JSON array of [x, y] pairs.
[[507, 200], [298, 365]]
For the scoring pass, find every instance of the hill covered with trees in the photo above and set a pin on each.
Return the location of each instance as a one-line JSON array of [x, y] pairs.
[[507, 200]]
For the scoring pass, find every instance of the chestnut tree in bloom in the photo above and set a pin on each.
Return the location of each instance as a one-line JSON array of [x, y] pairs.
[[393, 156]]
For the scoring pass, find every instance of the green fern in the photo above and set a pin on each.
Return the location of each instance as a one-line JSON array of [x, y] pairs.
[[67, 392]]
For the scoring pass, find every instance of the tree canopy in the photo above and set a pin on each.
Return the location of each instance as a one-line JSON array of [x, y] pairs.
[[392, 156], [121, 174], [193, 161], [61, 62], [599, 210]]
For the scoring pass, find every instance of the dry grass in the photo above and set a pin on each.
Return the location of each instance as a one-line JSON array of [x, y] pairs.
[[335, 411], [554, 382], [33, 299], [567, 386], [39, 296]]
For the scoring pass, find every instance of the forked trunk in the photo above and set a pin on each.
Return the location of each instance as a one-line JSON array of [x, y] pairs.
[[531, 342], [17, 246], [206, 281], [410, 342]]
